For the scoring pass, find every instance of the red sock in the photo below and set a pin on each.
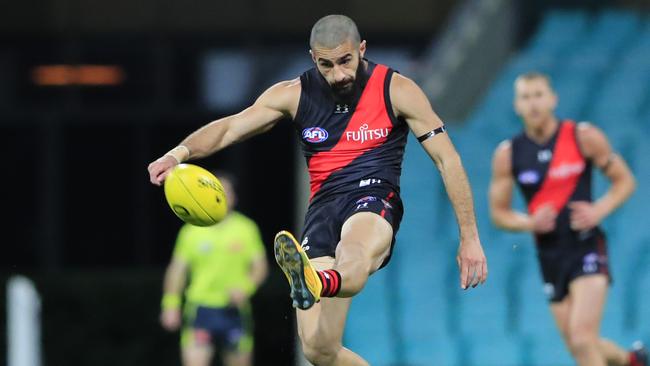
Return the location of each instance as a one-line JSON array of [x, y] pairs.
[[331, 281]]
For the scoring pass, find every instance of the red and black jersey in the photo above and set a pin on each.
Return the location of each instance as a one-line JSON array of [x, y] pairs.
[[350, 144], [555, 173]]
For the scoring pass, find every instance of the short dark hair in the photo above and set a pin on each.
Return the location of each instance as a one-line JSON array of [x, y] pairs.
[[532, 75], [333, 30]]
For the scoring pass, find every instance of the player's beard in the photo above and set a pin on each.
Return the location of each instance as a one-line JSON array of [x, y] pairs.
[[348, 91]]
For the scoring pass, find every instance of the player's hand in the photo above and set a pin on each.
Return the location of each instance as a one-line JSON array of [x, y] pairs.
[[472, 263], [584, 215], [238, 297], [544, 219], [159, 169], [170, 319]]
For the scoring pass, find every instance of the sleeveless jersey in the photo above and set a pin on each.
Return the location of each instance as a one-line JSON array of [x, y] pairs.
[[350, 145], [553, 173]]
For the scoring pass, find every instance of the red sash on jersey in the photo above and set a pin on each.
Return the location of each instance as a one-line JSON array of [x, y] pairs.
[[564, 171], [364, 131]]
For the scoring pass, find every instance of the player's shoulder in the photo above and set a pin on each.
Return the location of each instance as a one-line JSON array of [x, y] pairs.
[[587, 132], [286, 87], [401, 83], [502, 154], [504, 147], [406, 96], [282, 96], [586, 127]]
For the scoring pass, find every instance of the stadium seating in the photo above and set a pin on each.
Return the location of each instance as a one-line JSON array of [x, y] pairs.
[[413, 312]]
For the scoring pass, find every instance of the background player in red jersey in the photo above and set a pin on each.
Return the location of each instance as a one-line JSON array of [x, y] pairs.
[[551, 162], [353, 117]]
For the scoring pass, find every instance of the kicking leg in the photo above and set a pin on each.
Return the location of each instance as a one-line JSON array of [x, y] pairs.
[[365, 243]]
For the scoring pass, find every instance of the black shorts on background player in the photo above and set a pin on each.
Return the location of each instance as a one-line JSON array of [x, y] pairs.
[[582, 255], [325, 218]]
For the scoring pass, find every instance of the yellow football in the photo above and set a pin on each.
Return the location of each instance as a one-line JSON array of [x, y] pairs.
[[195, 195]]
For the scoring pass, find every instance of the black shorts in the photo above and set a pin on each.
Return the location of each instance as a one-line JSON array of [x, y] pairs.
[[225, 328], [570, 259], [325, 218]]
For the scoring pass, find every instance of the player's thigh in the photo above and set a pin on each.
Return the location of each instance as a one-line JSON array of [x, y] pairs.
[[326, 319], [588, 294], [367, 236], [561, 311]]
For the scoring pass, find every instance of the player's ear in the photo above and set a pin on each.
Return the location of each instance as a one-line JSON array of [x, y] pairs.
[[313, 58], [362, 48]]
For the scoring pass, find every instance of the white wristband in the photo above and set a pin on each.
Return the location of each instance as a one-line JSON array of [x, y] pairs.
[[180, 153]]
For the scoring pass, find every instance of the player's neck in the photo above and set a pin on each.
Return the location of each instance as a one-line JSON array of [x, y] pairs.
[[544, 132]]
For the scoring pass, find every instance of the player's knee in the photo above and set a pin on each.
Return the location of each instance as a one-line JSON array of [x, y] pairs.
[[582, 339], [320, 351]]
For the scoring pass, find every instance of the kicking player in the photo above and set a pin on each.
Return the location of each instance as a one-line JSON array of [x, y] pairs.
[[352, 117], [551, 162], [226, 263]]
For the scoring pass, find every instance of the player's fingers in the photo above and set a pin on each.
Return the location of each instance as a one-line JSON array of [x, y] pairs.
[[154, 179], [475, 275], [484, 272], [576, 204], [154, 171], [479, 273], [578, 224], [464, 273], [162, 176]]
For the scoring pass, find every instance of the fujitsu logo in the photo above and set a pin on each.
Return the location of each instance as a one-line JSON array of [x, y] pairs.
[[364, 134], [566, 170]]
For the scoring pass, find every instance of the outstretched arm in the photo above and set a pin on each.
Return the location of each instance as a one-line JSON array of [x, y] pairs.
[[280, 100], [410, 102]]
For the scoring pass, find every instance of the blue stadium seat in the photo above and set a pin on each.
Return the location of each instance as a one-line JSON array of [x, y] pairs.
[[572, 25]]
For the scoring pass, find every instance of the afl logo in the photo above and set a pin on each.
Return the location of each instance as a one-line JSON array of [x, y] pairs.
[[314, 135], [529, 177]]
